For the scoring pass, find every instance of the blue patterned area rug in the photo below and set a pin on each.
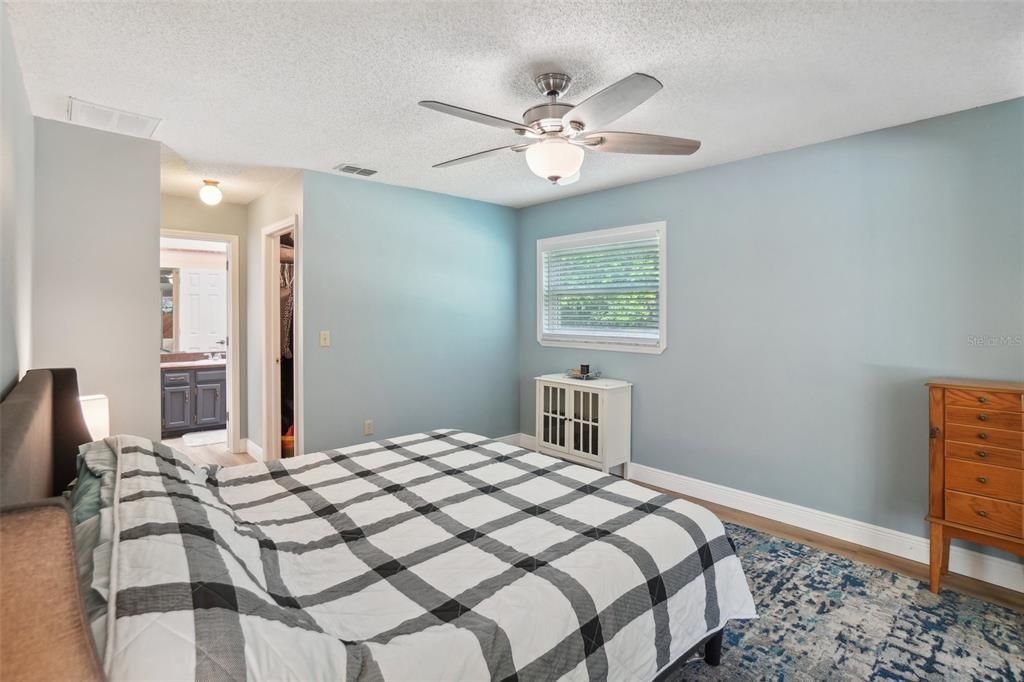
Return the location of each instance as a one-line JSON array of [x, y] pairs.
[[826, 617]]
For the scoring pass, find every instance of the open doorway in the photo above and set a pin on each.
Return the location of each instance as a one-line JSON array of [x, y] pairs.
[[282, 340], [199, 323]]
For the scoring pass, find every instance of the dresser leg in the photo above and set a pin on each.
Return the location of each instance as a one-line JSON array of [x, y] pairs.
[[938, 553], [945, 554]]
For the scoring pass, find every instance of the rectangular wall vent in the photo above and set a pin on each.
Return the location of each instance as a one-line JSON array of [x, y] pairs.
[[107, 118], [354, 170]]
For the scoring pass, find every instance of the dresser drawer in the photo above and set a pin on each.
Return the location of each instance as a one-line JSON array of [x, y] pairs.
[[986, 513], [1010, 421], [983, 435], [985, 479], [992, 400], [985, 454]]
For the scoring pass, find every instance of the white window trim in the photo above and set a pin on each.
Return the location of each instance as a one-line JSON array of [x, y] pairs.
[[581, 239]]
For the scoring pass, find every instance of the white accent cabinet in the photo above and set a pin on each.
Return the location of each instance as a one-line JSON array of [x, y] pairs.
[[586, 422]]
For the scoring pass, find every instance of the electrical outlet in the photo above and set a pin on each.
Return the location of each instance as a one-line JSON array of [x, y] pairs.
[[368, 427], [325, 339]]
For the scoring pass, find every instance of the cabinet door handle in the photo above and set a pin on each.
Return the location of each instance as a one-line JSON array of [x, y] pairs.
[[982, 512], [983, 417], [982, 480], [983, 435]]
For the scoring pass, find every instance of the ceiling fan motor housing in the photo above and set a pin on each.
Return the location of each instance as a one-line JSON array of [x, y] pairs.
[[547, 116]]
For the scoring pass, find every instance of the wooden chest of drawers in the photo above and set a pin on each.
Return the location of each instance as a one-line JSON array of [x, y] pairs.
[[976, 467]]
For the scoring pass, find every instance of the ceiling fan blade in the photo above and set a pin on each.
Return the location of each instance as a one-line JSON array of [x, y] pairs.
[[475, 116], [638, 143], [478, 155], [612, 102]]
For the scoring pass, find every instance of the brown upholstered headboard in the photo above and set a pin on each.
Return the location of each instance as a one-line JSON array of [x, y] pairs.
[[41, 427]]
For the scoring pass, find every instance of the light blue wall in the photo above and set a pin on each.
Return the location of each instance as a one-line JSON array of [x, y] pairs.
[[418, 291], [811, 293]]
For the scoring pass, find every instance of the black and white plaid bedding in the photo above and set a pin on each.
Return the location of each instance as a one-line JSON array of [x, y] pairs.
[[435, 556]]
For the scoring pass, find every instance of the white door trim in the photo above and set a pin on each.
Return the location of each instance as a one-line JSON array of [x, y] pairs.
[[270, 247], [234, 328]]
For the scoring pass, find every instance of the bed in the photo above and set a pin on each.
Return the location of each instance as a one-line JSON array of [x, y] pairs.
[[438, 555]]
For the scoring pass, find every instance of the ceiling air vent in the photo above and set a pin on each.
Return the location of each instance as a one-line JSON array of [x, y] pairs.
[[107, 118], [354, 170]]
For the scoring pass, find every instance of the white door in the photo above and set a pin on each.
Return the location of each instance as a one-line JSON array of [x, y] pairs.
[[552, 416], [203, 318]]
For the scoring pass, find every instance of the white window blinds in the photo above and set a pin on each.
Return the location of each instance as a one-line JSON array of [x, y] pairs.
[[603, 289]]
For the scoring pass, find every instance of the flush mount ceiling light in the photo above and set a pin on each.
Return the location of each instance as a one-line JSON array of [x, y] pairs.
[[560, 132], [210, 193]]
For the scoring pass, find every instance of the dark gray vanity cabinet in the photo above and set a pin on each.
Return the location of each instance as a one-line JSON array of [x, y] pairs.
[[210, 403], [193, 399], [177, 408]]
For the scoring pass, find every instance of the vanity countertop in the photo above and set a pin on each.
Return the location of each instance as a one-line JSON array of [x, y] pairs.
[[190, 364]]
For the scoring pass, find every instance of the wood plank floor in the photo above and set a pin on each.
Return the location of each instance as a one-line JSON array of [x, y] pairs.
[[890, 562], [217, 453]]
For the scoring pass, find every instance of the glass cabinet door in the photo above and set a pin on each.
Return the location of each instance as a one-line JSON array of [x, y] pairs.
[[585, 423], [553, 416]]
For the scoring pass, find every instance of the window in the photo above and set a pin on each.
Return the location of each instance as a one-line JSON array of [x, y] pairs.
[[603, 290]]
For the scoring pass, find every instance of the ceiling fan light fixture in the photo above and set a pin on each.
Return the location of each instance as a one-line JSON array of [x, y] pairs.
[[554, 159], [210, 193]]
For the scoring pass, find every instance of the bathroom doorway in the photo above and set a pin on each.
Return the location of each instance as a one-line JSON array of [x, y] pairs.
[[199, 359]]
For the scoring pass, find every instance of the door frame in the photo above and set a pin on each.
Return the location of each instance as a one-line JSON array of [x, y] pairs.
[[233, 378], [270, 251]]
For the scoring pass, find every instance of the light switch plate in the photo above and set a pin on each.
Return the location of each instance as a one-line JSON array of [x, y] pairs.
[[368, 427], [325, 338]]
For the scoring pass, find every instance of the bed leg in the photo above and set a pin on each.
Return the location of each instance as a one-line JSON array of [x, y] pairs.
[[713, 649]]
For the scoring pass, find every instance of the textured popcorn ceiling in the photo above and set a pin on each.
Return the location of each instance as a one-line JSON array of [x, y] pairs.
[[249, 89]]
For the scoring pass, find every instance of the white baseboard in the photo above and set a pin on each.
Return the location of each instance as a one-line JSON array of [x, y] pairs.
[[511, 439], [995, 570], [254, 450], [526, 441]]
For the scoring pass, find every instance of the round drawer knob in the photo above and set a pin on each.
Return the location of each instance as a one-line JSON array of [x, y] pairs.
[[982, 512], [982, 399], [982, 454], [982, 480], [983, 417], [983, 436]]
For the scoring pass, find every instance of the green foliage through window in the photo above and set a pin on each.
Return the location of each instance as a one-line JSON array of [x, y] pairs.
[[608, 289]]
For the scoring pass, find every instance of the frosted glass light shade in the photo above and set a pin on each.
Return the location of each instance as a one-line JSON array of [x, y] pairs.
[[210, 193], [554, 159], [96, 410]]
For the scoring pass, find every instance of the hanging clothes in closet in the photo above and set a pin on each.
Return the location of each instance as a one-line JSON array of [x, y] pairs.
[[287, 281]]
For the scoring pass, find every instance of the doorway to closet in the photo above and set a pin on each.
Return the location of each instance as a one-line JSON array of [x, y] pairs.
[[282, 340]]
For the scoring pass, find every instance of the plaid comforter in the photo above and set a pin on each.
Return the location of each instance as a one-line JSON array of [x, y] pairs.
[[435, 556]]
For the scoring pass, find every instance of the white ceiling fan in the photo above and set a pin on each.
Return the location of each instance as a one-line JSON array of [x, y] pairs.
[[560, 132]]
